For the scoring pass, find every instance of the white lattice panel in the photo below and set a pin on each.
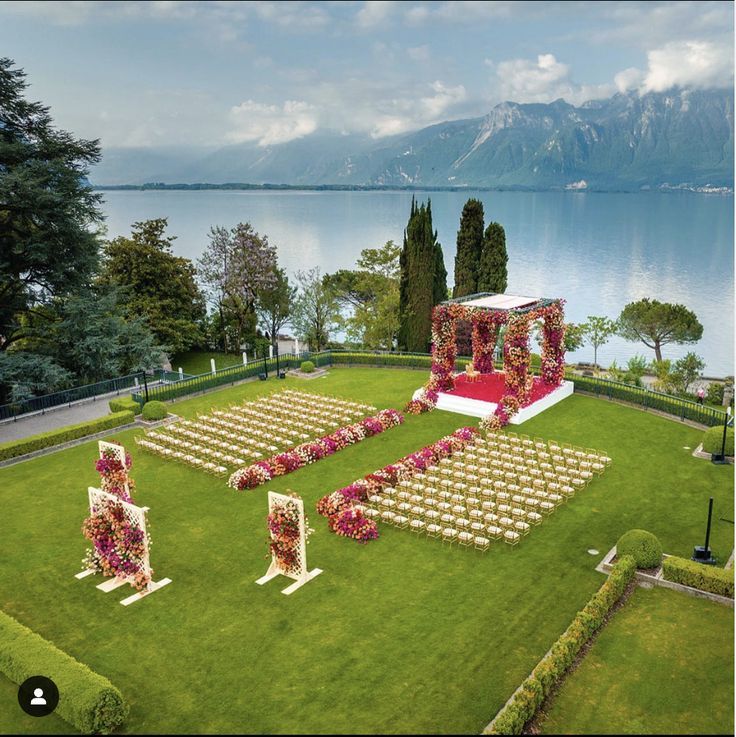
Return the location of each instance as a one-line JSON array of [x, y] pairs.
[[301, 575]]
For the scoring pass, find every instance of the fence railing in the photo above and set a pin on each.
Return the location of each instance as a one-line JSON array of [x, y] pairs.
[[47, 402], [165, 385]]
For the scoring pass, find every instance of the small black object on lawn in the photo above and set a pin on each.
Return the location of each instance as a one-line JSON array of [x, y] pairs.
[[282, 374], [701, 553], [262, 376]]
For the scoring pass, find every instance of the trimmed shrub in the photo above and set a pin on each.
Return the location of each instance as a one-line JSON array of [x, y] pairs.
[[642, 546], [714, 394], [307, 367], [154, 410], [64, 434], [89, 702], [698, 576], [123, 404], [713, 440], [523, 705]]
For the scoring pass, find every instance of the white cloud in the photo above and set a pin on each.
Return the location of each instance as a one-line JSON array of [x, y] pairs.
[[373, 13], [271, 124], [688, 64], [543, 80], [465, 11], [443, 99], [628, 79]]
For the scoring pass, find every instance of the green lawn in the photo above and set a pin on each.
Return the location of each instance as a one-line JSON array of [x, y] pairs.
[[400, 635], [663, 665], [198, 362]]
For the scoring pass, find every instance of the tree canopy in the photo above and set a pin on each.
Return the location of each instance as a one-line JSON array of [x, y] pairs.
[[275, 304], [469, 247], [659, 323], [161, 287], [492, 270], [423, 282], [49, 215], [315, 309]]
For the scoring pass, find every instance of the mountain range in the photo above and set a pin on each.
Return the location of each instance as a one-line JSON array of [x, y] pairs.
[[675, 139]]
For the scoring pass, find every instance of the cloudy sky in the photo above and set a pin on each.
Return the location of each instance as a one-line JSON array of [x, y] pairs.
[[140, 74]]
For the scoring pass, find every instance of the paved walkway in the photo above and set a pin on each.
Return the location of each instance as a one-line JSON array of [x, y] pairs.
[[87, 409]]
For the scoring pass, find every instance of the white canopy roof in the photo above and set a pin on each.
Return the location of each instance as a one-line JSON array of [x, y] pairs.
[[501, 302]]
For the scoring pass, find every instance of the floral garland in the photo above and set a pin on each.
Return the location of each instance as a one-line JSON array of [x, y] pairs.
[[285, 535], [118, 545], [339, 506], [553, 344], [309, 452], [425, 402], [114, 475], [485, 334]]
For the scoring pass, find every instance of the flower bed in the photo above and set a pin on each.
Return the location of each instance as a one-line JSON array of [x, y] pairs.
[[306, 453]]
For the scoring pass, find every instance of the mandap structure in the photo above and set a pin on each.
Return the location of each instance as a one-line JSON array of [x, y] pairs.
[[513, 394]]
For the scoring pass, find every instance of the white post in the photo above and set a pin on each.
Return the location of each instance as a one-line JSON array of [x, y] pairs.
[[181, 373], [270, 351], [245, 358], [296, 346], [212, 365]]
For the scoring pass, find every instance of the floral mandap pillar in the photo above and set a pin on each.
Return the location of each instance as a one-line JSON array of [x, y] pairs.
[[485, 335], [553, 344], [444, 348], [516, 357]]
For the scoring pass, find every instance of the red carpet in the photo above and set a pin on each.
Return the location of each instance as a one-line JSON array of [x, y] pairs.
[[490, 388]]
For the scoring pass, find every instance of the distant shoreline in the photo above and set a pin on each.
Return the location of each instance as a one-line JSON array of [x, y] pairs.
[[238, 186]]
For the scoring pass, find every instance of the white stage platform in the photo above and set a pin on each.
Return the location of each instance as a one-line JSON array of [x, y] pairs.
[[479, 408]]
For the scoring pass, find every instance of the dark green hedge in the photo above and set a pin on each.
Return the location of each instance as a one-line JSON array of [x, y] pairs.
[[642, 546], [698, 576], [534, 690], [64, 434], [124, 403], [87, 700], [713, 440]]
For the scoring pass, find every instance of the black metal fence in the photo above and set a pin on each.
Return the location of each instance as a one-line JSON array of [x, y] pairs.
[[165, 385]]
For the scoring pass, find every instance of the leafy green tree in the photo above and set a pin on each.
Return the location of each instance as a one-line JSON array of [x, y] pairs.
[[49, 215], [371, 293], [423, 281], [598, 331], [24, 374], [236, 266], [659, 323], [493, 271], [274, 305], [574, 336], [162, 288], [635, 368], [469, 247], [95, 339], [686, 370], [663, 372], [315, 310]]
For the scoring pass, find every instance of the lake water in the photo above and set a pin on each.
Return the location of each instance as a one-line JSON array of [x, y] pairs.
[[597, 251]]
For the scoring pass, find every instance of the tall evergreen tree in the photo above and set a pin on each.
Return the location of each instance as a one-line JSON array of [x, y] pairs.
[[423, 279], [492, 273], [469, 247]]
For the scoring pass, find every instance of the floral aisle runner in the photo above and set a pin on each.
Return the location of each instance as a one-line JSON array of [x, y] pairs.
[[289, 533], [116, 527]]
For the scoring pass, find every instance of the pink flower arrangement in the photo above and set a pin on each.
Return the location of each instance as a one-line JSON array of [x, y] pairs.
[[283, 526], [338, 506], [352, 523], [302, 455]]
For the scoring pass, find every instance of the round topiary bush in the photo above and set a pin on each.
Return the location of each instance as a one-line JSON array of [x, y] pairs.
[[307, 367], [642, 546], [713, 440], [154, 411]]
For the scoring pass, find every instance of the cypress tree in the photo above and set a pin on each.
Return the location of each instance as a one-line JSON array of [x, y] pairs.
[[423, 279], [492, 273], [469, 247]]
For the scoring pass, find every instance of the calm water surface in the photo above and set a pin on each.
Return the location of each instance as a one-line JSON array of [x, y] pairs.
[[597, 251]]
